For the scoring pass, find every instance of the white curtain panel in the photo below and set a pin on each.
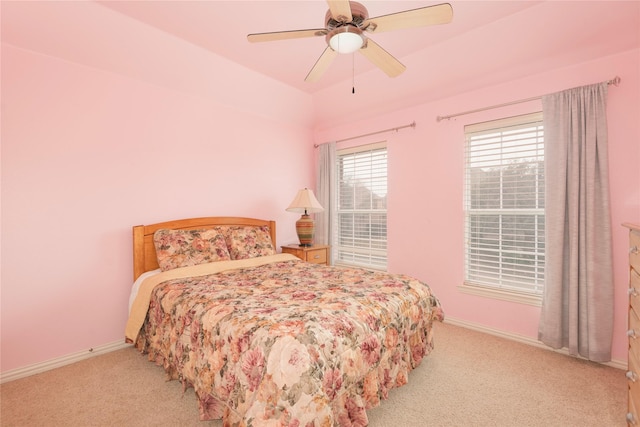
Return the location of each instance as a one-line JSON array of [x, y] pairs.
[[577, 307], [325, 193]]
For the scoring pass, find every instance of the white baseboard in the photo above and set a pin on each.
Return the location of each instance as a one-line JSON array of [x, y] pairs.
[[619, 364], [60, 361]]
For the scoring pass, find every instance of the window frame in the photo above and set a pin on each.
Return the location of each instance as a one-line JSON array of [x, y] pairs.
[[500, 290], [372, 253]]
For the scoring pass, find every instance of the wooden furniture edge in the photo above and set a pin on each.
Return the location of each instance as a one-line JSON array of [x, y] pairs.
[[144, 251]]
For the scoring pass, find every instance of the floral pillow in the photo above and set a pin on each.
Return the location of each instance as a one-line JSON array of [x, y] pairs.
[[248, 242], [183, 248]]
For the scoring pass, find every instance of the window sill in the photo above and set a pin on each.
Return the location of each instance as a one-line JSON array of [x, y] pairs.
[[511, 296]]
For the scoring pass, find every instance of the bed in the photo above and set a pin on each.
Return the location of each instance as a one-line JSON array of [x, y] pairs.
[[265, 338]]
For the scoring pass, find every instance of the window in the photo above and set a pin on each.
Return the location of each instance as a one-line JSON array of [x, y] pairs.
[[504, 208], [362, 207]]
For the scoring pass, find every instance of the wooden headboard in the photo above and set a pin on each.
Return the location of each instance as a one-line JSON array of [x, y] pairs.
[[144, 251]]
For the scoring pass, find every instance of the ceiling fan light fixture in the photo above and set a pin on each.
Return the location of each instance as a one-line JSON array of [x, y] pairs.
[[344, 26], [345, 39]]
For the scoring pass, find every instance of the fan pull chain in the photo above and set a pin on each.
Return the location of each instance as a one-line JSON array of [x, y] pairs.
[[353, 73]]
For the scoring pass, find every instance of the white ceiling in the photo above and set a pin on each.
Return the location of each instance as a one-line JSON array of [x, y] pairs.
[[487, 42]]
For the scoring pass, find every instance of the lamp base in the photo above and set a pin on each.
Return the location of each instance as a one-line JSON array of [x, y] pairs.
[[305, 227]]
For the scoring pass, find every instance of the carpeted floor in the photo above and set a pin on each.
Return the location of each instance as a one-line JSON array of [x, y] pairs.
[[470, 379]]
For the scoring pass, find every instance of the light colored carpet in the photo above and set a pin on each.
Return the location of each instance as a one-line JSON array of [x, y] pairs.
[[470, 379]]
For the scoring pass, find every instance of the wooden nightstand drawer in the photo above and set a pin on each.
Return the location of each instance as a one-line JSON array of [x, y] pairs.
[[317, 254], [633, 378], [634, 250], [632, 414], [634, 290], [633, 332]]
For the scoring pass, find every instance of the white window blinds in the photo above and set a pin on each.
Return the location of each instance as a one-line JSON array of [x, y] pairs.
[[362, 207], [504, 204]]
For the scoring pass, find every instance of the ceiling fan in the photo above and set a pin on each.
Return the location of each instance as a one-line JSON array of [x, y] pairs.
[[345, 25]]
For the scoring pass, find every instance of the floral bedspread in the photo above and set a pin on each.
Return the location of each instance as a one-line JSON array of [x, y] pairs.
[[290, 343]]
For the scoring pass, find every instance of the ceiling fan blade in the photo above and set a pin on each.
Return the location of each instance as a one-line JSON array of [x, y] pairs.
[[286, 35], [382, 59], [321, 65], [430, 15], [340, 10]]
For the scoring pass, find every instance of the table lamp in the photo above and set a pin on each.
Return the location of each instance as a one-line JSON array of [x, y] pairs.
[[306, 203]]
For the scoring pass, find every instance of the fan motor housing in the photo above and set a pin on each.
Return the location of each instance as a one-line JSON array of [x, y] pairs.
[[359, 14]]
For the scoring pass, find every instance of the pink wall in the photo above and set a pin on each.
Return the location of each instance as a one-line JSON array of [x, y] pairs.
[[425, 184], [87, 154]]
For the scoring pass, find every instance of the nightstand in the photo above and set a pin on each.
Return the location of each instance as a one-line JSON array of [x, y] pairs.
[[317, 254]]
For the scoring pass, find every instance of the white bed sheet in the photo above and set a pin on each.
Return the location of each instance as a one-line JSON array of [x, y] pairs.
[[136, 285]]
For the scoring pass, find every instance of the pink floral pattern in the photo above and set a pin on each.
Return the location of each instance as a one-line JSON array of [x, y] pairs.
[[183, 248], [245, 242], [290, 343]]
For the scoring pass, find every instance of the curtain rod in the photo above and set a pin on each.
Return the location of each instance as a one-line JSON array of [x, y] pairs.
[[396, 129], [614, 81]]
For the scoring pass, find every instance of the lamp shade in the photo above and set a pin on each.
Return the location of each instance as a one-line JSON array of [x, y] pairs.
[[305, 202]]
